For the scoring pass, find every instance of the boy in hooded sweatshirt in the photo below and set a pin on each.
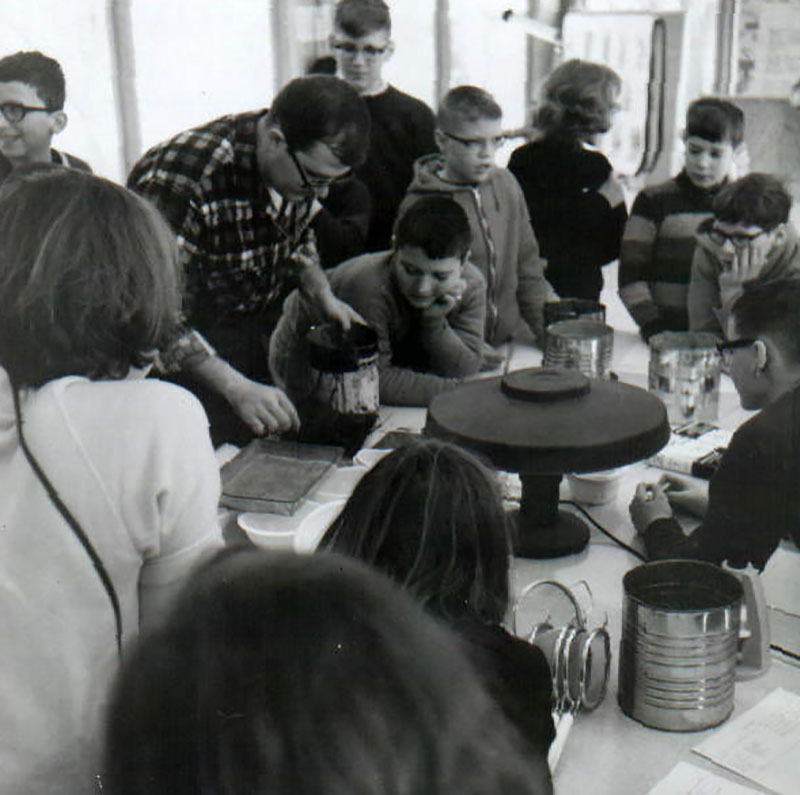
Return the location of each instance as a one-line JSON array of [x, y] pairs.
[[468, 134], [750, 239]]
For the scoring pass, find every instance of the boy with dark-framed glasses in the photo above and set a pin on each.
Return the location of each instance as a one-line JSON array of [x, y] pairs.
[[402, 125], [468, 133], [32, 96], [749, 239]]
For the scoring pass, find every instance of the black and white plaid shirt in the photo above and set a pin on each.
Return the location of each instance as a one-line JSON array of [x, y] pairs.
[[236, 235]]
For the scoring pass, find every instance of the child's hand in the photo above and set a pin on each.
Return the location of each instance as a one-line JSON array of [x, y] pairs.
[[446, 302], [648, 504], [685, 494]]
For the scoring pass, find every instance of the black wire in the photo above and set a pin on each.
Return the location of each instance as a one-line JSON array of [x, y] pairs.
[[72, 522], [607, 533], [785, 652]]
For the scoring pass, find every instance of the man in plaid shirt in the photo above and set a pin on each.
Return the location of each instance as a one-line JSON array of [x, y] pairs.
[[240, 193]]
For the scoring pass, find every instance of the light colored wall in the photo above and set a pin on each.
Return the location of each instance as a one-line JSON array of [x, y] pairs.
[[197, 59]]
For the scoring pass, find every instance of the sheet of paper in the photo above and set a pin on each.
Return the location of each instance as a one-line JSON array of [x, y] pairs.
[[686, 779], [762, 744]]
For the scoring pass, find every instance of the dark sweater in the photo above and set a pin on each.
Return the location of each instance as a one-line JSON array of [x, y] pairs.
[[517, 675], [577, 211], [655, 261], [753, 499], [340, 227], [402, 130], [59, 158]]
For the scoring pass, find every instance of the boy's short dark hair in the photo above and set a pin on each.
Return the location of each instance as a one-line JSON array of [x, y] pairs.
[[754, 200], [437, 225], [771, 309], [323, 108], [359, 18], [466, 103], [715, 120], [38, 71]]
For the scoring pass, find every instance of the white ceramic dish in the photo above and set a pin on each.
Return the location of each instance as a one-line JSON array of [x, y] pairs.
[[369, 456], [304, 529], [595, 488], [338, 484]]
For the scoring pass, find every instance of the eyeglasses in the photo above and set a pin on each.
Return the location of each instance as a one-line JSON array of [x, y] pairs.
[[14, 112], [476, 144], [739, 240], [314, 181], [368, 51], [727, 347]]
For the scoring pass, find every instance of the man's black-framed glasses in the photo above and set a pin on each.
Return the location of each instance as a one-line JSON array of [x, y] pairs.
[[476, 144], [15, 112], [313, 181], [739, 240], [351, 50], [726, 347]]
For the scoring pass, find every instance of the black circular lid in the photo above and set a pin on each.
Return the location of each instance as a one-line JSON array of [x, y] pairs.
[[545, 383], [581, 430]]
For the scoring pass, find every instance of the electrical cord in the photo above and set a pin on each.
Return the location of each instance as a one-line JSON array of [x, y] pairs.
[[607, 533]]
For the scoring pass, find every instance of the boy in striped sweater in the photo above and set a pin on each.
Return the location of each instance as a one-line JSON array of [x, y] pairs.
[[659, 239]]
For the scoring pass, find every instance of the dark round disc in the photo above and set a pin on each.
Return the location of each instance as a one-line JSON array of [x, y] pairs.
[[545, 383], [610, 425]]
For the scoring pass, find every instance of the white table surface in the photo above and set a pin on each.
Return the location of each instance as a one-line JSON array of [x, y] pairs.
[[607, 752]]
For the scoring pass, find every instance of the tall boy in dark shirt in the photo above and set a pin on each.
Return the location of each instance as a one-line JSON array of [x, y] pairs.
[[402, 126]]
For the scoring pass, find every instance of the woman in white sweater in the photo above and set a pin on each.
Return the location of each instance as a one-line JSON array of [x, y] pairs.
[[109, 480]]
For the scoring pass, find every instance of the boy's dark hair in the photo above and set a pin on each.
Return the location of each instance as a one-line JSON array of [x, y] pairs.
[[288, 673], [430, 515], [36, 70], [437, 225], [579, 98], [359, 18], [715, 120], [90, 283], [771, 309], [754, 200], [323, 108], [466, 103]]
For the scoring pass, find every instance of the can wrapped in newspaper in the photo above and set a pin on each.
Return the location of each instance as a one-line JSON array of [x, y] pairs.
[[684, 372]]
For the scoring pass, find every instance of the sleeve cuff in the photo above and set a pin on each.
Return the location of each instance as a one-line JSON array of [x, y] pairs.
[[190, 348]]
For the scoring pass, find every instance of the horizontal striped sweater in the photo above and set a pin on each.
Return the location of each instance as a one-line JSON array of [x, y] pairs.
[[655, 261]]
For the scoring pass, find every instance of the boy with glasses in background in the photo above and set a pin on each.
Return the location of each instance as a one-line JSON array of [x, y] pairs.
[[749, 239], [32, 93], [655, 257], [402, 126], [468, 134]]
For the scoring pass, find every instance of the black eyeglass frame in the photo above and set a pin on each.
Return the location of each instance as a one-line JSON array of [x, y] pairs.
[[476, 143], [724, 347], [23, 110], [738, 241], [350, 50], [311, 183]]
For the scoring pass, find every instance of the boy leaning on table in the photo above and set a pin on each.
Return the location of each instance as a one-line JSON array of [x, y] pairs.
[[424, 298], [750, 238], [753, 500]]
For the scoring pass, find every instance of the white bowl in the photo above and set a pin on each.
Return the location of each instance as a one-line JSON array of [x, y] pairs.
[[338, 484], [369, 456], [595, 488], [301, 532]]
